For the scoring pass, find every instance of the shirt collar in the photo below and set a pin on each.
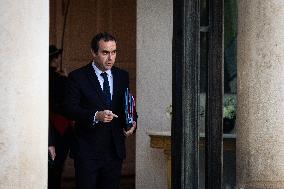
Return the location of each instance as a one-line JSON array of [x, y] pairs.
[[98, 71]]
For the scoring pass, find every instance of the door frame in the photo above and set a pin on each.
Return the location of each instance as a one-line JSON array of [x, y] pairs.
[[185, 120]]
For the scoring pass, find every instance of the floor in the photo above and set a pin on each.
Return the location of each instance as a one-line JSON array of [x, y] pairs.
[[127, 182], [68, 180]]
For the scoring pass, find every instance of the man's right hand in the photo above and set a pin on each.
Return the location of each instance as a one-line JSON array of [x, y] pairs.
[[105, 116], [51, 150]]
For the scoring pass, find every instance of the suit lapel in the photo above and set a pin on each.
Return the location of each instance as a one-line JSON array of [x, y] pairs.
[[115, 76], [95, 82]]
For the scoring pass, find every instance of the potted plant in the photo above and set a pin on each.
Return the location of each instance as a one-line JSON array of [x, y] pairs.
[[169, 111], [229, 113]]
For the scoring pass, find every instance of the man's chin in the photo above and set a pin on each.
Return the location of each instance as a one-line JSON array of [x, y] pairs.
[[107, 67]]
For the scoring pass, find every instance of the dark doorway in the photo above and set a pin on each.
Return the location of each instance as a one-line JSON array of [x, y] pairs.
[[72, 26]]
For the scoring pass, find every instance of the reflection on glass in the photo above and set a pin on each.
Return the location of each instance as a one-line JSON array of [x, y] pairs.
[[230, 44], [204, 22], [202, 105], [230, 64], [230, 90], [230, 87]]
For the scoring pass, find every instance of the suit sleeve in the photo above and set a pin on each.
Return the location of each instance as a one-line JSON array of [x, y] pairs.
[[51, 137], [72, 105]]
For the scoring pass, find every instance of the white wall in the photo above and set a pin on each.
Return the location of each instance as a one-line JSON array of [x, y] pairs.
[[23, 94], [154, 87]]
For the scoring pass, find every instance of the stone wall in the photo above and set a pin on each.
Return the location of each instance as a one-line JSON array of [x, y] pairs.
[[154, 81]]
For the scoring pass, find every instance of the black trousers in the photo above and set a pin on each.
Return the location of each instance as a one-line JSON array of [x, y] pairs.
[[97, 173], [62, 147]]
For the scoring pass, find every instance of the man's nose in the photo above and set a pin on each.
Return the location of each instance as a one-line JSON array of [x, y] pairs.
[[110, 56]]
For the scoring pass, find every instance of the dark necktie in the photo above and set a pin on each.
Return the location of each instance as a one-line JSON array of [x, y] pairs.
[[106, 88]]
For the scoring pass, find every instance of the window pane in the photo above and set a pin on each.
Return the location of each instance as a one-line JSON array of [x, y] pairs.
[[230, 90], [203, 87]]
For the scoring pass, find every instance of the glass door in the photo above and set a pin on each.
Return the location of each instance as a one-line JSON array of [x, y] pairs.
[[230, 92], [203, 86], [197, 124]]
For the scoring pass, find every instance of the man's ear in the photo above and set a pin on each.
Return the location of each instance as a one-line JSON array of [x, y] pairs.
[[93, 53]]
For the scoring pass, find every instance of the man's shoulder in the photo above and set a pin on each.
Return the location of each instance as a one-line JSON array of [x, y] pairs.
[[119, 70], [80, 71]]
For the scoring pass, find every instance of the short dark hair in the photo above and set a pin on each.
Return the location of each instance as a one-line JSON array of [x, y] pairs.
[[54, 52], [101, 36]]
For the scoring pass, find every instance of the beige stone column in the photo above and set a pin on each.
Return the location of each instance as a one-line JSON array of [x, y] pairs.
[[23, 94], [260, 115]]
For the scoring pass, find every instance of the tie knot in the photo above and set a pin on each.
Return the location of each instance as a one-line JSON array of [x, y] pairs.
[[104, 75]]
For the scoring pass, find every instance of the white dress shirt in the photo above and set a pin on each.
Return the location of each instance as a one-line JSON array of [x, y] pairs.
[[101, 79]]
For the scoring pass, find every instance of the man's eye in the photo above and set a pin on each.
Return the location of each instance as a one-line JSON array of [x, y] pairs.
[[105, 53]]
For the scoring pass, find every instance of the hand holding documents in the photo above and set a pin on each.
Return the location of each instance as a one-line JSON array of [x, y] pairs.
[[130, 109], [131, 130]]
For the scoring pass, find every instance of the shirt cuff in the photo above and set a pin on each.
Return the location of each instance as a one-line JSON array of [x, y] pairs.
[[95, 121]]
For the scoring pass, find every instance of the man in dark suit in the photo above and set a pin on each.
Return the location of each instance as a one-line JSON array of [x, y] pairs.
[[60, 128], [95, 100]]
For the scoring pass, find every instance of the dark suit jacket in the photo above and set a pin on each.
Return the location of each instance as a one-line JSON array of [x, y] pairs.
[[84, 98], [57, 90]]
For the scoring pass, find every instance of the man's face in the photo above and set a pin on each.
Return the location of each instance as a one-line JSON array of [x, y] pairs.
[[105, 57], [55, 62]]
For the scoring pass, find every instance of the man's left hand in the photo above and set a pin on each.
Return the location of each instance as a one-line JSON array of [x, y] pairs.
[[130, 131]]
